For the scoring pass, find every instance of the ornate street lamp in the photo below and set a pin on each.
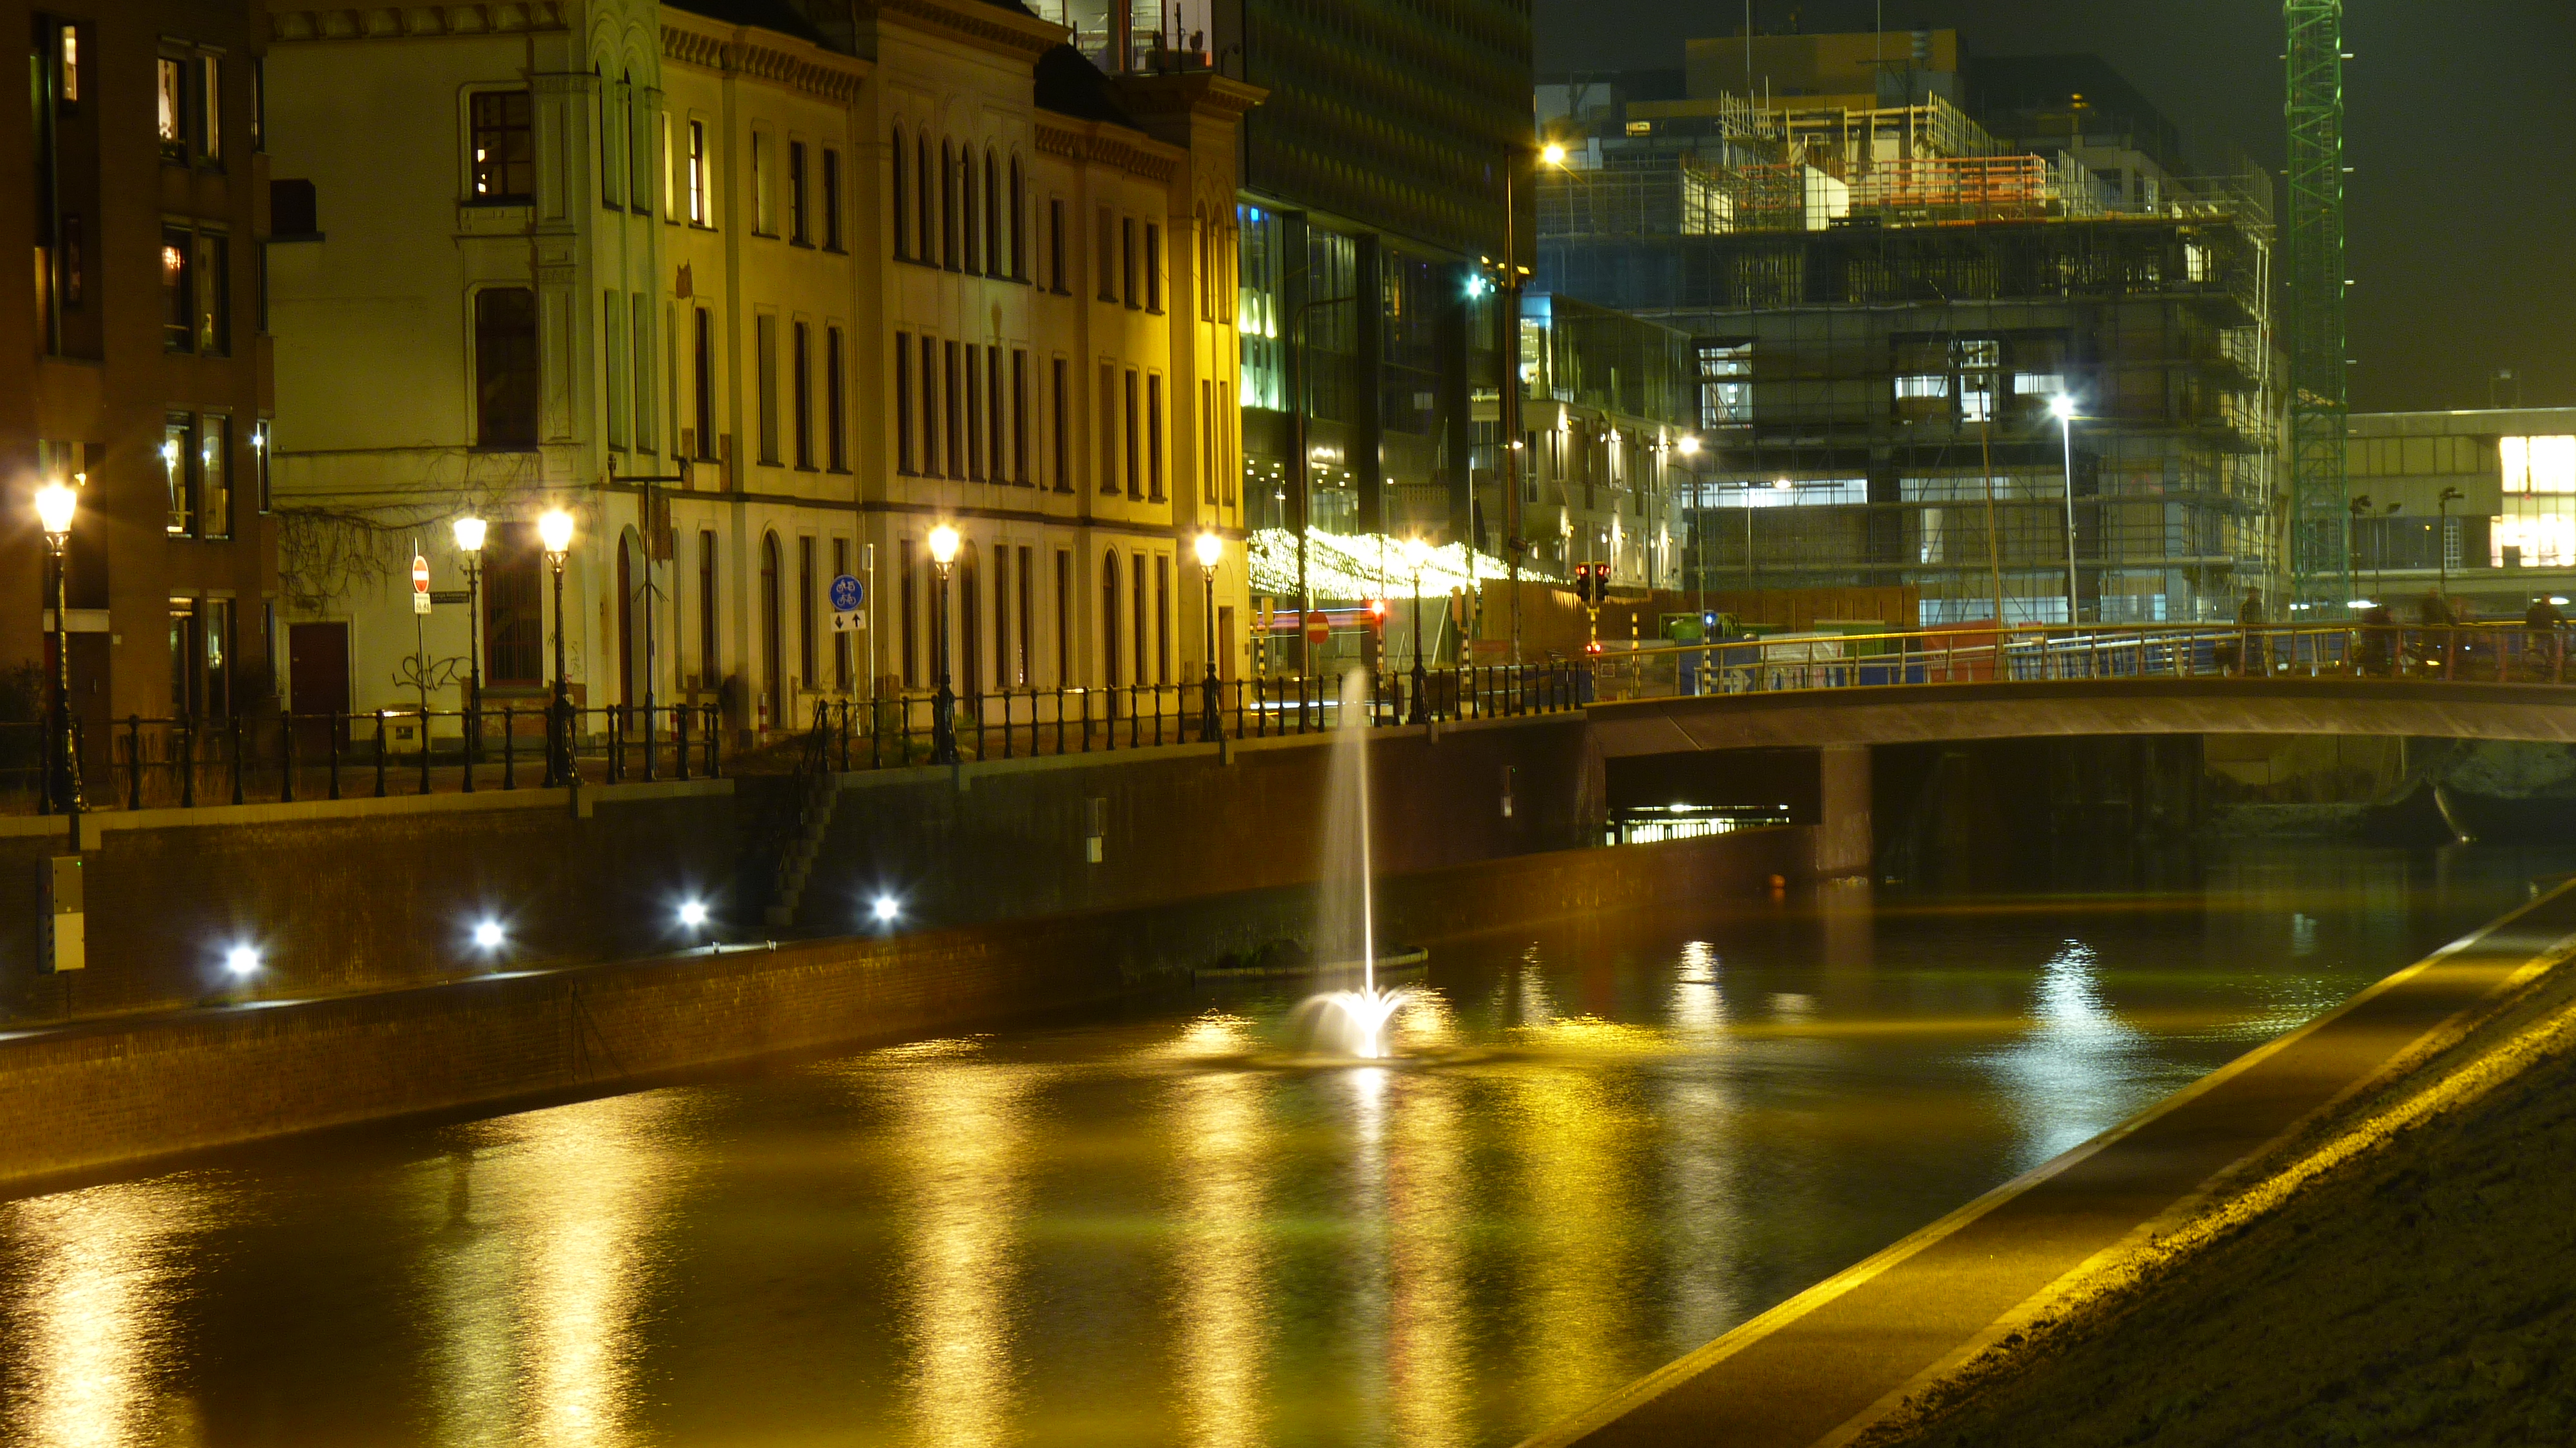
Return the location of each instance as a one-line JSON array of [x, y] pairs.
[[1415, 552], [1211, 722], [554, 530], [469, 541], [55, 505], [943, 705]]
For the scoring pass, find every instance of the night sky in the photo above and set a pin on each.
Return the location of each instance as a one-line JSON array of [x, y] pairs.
[[2460, 124]]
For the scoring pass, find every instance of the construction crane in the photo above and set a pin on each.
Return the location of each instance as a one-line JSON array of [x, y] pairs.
[[2320, 522]]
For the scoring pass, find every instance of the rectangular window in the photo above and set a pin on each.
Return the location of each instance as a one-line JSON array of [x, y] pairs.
[[1226, 420], [765, 359], [179, 461], [1028, 615], [1108, 428], [762, 223], [1063, 454], [951, 434], [808, 645], [1063, 617], [1207, 441], [214, 295], [803, 380], [214, 467], [1137, 610], [903, 458], [612, 320], [836, 432], [174, 109], [1133, 449], [1127, 260], [210, 94], [994, 412], [1153, 267], [612, 166], [187, 649], [643, 127], [670, 185], [259, 103], [259, 461], [1002, 616], [1105, 265], [698, 174], [1154, 436], [1020, 417], [505, 367], [799, 218], [504, 147], [832, 201], [840, 637], [178, 289], [1162, 619], [514, 606], [930, 406], [642, 338], [1055, 245], [911, 627], [705, 381], [975, 403], [710, 671]]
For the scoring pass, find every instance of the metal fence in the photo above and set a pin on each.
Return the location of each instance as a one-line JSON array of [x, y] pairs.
[[2479, 653]]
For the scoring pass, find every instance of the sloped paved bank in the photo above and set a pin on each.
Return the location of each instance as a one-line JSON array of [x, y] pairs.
[[2286, 1123], [2409, 1277]]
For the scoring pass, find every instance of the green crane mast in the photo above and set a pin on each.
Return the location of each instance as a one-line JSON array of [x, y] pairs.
[[2320, 526]]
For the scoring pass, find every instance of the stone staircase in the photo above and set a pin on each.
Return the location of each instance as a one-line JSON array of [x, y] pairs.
[[819, 791]]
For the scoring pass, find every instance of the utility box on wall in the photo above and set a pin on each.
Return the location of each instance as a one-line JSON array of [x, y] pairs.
[[65, 923]]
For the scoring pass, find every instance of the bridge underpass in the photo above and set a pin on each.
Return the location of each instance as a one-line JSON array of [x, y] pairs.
[[1838, 727]]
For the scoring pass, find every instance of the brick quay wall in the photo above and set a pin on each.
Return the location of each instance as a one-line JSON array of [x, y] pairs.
[[88, 1098]]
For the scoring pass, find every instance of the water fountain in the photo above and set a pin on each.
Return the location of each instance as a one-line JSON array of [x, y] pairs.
[[1347, 920]]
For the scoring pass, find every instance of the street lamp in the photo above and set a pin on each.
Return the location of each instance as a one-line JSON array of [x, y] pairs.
[[469, 541], [1415, 552], [55, 505], [943, 706], [554, 530], [1210, 548], [2062, 407], [1552, 153]]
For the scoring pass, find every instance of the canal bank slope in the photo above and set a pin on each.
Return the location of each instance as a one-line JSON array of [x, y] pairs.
[[2057, 1255], [2403, 1274]]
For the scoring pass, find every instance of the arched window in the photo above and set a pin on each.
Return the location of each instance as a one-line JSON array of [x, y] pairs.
[[972, 251], [922, 187], [1019, 222], [1207, 278], [947, 204], [772, 685], [902, 198], [995, 263], [1109, 621]]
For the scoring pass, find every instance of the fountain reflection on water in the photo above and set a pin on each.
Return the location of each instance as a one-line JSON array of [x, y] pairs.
[[1346, 930]]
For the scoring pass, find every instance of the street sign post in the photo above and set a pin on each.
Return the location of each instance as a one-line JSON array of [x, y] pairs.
[[419, 584], [849, 604], [1319, 629]]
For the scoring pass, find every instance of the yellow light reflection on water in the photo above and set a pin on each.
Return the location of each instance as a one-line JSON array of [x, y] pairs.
[[1429, 1330], [88, 1331], [1222, 1157]]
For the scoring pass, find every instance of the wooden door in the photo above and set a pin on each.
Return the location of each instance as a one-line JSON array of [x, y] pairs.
[[317, 661]]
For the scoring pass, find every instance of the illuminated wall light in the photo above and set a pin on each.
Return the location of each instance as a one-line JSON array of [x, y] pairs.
[[693, 914], [886, 908], [241, 960], [487, 935]]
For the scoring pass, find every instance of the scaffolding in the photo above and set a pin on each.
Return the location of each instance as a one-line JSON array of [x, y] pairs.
[[2319, 399]]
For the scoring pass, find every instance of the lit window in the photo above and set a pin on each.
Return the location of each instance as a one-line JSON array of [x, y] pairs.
[[698, 173], [2538, 464], [504, 146], [71, 64], [174, 109]]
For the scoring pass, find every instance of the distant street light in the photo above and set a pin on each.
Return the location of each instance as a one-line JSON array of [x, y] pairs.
[[1211, 722], [1552, 153], [1415, 553], [2062, 407], [469, 541], [56, 503], [554, 530], [943, 706]]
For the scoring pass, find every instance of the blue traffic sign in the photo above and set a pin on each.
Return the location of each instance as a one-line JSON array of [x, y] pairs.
[[847, 595]]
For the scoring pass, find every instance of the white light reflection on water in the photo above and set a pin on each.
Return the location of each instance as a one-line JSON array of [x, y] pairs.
[[1222, 1157], [1699, 1110], [2071, 1075], [88, 1334]]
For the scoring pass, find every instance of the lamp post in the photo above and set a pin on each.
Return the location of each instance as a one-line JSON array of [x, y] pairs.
[[469, 541], [1210, 548], [1688, 446], [55, 505], [943, 705], [554, 530], [2063, 409], [1414, 553]]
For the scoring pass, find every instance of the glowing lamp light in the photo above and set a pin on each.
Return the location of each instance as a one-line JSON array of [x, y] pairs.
[[1416, 552], [1687, 444], [1552, 153], [487, 935], [469, 533], [693, 914], [886, 909], [943, 545], [1210, 549], [1781, 486], [55, 504], [2361, 603], [2061, 407], [241, 960], [555, 530]]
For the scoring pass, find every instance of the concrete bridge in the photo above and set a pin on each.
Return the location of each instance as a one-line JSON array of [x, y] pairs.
[[1842, 722]]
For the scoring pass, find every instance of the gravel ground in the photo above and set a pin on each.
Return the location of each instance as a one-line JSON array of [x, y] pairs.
[[2422, 1289]]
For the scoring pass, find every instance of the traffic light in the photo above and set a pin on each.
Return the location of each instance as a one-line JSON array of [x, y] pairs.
[[1592, 583]]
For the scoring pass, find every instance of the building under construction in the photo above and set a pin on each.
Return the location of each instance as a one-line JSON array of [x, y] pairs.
[[1884, 299]]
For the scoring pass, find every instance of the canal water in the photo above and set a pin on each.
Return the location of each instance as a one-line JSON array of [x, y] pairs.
[[1595, 1148]]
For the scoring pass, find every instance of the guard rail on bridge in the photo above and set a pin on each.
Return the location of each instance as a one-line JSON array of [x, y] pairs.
[[2484, 653]]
